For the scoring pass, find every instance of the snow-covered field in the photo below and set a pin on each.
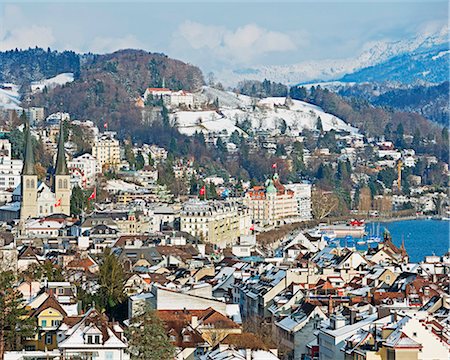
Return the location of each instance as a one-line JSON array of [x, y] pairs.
[[264, 114], [9, 97], [59, 79]]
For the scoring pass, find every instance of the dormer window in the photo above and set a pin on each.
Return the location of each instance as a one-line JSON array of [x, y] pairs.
[[92, 339], [186, 338]]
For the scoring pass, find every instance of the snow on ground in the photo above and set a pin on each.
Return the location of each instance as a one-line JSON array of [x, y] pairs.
[[267, 114], [227, 99], [59, 79], [9, 97]]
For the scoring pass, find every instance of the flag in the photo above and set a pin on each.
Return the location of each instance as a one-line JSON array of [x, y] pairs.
[[93, 195], [203, 190], [58, 203], [252, 228], [274, 165], [105, 125]]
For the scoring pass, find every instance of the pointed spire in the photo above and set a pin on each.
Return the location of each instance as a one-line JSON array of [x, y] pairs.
[[61, 164], [28, 164]]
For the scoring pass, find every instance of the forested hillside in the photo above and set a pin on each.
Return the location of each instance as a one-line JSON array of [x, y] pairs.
[[431, 101], [23, 66], [108, 85], [378, 121]]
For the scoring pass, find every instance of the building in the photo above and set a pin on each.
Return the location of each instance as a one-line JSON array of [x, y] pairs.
[[302, 193], [36, 198], [275, 203], [217, 222], [83, 170], [106, 150], [10, 169], [35, 114], [169, 97]]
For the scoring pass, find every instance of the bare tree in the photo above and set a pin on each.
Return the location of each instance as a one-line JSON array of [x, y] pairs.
[[323, 203]]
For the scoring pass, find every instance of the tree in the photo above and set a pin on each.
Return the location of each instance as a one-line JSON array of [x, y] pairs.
[[111, 280], [319, 124], [129, 154], [140, 162], [14, 323], [399, 134], [47, 270], [323, 203], [78, 201], [151, 162], [147, 339]]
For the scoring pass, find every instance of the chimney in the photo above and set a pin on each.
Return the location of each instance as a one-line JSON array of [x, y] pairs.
[[194, 321], [248, 354]]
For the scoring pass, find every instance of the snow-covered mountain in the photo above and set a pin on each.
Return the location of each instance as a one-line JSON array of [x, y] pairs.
[[308, 71], [264, 114]]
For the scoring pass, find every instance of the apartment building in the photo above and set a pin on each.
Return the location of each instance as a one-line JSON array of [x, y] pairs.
[[216, 222], [106, 150]]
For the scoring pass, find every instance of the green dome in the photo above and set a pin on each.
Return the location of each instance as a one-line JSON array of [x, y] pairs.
[[270, 189]]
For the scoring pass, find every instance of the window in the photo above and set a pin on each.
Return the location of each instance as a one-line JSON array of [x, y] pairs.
[[44, 323], [48, 339], [109, 355], [65, 183], [89, 339], [60, 183], [97, 339], [186, 338], [55, 322]]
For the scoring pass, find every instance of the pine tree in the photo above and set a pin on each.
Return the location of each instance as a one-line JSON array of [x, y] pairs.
[[147, 339], [111, 281], [319, 124], [13, 321], [140, 162]]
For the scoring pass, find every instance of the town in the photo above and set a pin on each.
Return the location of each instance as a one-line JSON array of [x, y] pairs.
[[125, 248]]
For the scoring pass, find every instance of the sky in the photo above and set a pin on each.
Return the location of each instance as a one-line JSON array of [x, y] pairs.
[[216, 35]]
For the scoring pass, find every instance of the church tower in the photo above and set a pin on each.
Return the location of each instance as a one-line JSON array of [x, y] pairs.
[[28, 206], [61, 183]]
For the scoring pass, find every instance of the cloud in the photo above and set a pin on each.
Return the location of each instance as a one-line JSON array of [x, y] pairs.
[[103, 45], [243, 44], [14, 36]]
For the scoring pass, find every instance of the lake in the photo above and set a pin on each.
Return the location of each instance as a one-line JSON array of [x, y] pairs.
[[422, 237]]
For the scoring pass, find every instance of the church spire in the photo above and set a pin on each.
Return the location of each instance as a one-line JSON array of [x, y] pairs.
[[28, 164], [61, 164]]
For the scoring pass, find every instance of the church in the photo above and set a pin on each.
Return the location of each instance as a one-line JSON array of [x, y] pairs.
[[36, 198]]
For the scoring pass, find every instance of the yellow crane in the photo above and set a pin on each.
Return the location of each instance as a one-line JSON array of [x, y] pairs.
[[399, 172]]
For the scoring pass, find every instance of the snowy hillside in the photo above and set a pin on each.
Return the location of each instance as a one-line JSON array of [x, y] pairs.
[[59, 79], [264, 114], [9, 97], [308, 71]]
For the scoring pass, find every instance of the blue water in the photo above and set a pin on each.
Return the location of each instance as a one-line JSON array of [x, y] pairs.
[[422, 237]]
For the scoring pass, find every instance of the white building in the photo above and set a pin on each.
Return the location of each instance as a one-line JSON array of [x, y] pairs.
[[106, 150], [83, 170], [302, 193], [10, 169], [218, 222]]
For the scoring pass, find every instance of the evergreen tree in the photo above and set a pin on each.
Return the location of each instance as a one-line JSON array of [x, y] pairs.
[[151, 162], [111, 281], [129, 154], [78, 201], [235, 138], [14, 324], [140, 162], [147, 338], [399, 134], [319, 125]]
